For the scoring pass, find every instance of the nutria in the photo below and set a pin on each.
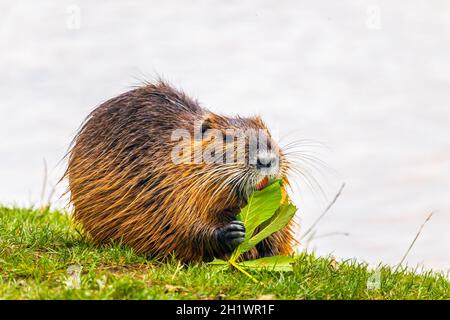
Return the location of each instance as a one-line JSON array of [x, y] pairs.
[[125, 185]]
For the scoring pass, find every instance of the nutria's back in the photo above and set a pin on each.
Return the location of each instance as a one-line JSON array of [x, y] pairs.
[[125, 184]]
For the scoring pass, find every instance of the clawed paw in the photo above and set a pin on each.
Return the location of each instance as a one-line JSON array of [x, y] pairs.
[[231, 235]]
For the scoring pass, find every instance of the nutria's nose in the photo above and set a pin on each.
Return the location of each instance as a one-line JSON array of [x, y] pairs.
[[266, 160]]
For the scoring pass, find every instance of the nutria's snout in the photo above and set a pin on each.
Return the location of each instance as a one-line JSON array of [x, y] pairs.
[[268, 167], [268, 163], [267, 160], [263, 168]]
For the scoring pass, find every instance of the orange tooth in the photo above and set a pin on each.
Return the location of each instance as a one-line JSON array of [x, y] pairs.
[[262, 184]]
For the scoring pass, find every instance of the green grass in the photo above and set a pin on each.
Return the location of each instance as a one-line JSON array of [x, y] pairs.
[[37, 248]]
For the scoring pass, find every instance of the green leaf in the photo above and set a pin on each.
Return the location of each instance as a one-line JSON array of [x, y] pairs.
[[277, 222], [261, 206], [275, 263], [266, 213]]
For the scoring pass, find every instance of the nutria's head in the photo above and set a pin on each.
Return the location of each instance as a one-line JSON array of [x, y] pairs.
[[239, 154]]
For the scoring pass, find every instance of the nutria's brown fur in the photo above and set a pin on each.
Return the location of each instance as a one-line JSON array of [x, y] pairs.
[[124, 186]]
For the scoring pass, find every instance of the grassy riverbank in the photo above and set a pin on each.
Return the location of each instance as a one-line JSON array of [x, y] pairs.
[[42, 256]]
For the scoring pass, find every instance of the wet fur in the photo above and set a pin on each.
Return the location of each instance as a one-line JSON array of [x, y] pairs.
[[124, 186]]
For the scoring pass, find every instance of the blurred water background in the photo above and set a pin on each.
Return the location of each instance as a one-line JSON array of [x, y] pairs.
[[369, 80]]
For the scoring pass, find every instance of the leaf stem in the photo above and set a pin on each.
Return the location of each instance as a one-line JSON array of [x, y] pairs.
[[234, 264]]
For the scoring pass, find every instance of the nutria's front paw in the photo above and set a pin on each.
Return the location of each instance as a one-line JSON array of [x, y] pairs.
[[231, 235]]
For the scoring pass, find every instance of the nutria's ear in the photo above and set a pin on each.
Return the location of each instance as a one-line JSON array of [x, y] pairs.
[[206, 125], [208, 122]]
